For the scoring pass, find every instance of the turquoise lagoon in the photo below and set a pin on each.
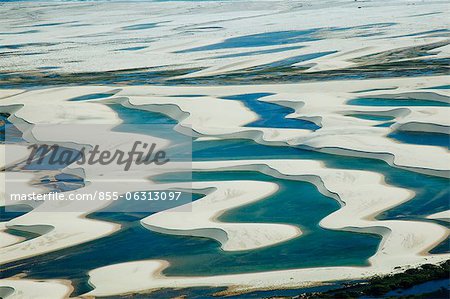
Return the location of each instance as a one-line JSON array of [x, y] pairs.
[[201, 256]]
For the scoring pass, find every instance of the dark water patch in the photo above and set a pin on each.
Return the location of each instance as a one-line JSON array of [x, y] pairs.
[[422, 288], [12, 47], [396, 102], [138, 121], [443, 247], [421, 138], [271, 115], [49, 24], [30, 53], [277, 38], [426, 14], [260, 40], [240, 149], [93, 96], [371, 117], [369, 34], [207, 27], [13, 211], [375, 89], [188, 95], [140, 26], [252, 53], [437, 33], [20, 46], [27, 235], [191, 293], [438, 87], [136, 116], [20, 32], [291, 60], [6, 291], [132, 48], [204, 29], [385, 125], [48, 67], [208, 293], [61, 182], [79, 25]]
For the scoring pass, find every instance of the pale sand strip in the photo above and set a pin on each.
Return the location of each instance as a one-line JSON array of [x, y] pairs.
[[34, 289], [444, 216], [146, 276]]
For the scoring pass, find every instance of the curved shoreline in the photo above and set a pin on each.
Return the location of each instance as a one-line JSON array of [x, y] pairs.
[[394, 252]]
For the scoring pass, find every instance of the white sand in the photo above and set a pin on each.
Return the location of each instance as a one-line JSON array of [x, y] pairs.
[[33, 289], [81, 45], [444, 216]]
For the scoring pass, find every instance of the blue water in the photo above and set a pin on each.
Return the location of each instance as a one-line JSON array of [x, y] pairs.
[[20, 32], [49, 24], [422, 138], [132, 48], [292, 60], [395, 102], [385, 125], [140, 26], [252, 53], [13, 211], [433, 199], [277, 38], [371, 117], [298, 203], [271, 115], [99, 253], [374, 89], [200, 256], [426, 287], [439, 87], [261, 40], [92, 96]]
